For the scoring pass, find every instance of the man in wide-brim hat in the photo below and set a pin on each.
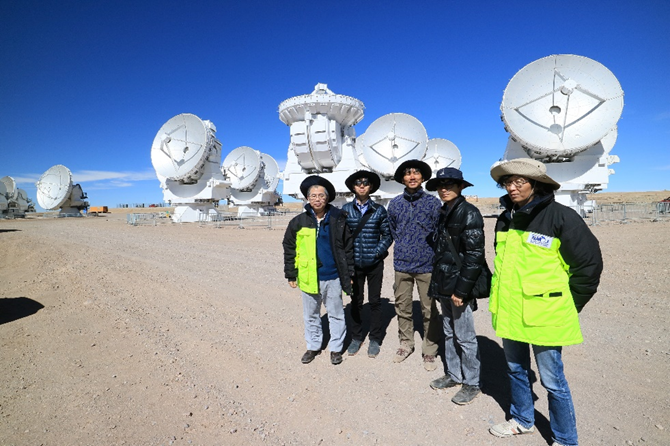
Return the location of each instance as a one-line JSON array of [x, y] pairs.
[[547, 267], [459, 260], [368, 222], [320, 239], [413, 218]]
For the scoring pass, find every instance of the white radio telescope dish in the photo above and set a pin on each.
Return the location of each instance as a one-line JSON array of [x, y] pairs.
[[54, 187], [243, 166], [180, 148], [11, 191], [561, 105], [391, 140], [442, 153]]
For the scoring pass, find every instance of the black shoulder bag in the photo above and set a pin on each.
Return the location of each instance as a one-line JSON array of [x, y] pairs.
[[482, 288]]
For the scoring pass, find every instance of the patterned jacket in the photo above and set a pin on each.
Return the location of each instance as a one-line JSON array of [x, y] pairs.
[[413, 220]]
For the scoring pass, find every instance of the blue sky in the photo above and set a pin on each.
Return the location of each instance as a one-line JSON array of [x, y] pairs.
[[88, 84]]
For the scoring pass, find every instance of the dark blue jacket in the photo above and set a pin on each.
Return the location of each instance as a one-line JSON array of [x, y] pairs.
[[373, 241]]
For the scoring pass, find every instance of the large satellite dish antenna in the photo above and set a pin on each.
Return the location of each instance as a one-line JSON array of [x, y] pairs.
[[391, 140], [181, 147], [243, 166], [561, 105], [56, 190], [186, 156], [442, 153], [256, 192], [563, 110]]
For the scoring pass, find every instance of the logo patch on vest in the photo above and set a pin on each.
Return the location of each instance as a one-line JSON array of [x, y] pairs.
[[543, 241]]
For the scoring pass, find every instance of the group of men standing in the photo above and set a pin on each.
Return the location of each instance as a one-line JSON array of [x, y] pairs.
[[547, 267], [323, 257]]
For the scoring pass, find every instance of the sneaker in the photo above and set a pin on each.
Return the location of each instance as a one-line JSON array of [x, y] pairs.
[[354, 347], [309, 356], [444, 383], [466, 395], [429, 362], [335, 358], [373, 349], [403, 352], [510, 428]]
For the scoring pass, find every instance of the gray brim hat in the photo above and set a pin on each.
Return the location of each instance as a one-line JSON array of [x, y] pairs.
[[524, 167]]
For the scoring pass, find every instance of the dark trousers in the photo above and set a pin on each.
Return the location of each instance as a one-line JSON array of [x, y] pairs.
[[374, 275]]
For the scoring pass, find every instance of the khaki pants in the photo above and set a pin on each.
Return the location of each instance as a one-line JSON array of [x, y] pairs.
[[403, 290]]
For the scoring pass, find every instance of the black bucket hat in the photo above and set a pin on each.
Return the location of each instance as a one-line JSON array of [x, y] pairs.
[[372, 177], [424, 168], [446, 173], [315, 180]]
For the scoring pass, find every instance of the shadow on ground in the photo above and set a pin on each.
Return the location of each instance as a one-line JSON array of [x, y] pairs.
[[13, 308]]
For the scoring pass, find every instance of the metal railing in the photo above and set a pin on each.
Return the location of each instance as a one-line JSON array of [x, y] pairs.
[[623, 212], [149, 219], [278, 220]]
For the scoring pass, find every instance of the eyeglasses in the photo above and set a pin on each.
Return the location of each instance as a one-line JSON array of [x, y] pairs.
[[317, 197], [518, 183], [362, 182]]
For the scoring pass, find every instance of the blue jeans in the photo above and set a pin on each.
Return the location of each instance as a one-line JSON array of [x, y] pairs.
[[550, 366], [330, 293], [461, 350]]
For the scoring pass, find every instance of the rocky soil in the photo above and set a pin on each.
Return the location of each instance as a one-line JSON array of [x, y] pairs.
[[179, 334]]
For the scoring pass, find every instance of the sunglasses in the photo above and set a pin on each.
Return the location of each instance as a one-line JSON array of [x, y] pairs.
[[362, 182]]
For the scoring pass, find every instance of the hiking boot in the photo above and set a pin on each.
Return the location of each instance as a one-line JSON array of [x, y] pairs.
[[466, 395], [309, 356], [354, 347], [335, 358], [402, 353], [444, 383], [429, 362], [373, 349], [510, 428]]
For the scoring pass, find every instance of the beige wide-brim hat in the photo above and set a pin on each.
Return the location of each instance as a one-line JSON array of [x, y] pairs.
[[525, 167]]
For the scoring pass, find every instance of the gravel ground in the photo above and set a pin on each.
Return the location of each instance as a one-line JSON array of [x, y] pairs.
[[178, 334]]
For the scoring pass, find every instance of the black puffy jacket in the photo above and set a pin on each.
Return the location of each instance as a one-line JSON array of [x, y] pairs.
[[465, 225], [373, 241]]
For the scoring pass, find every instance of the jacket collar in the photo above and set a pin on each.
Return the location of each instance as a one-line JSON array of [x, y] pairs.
[[413, 197], [541, 201]]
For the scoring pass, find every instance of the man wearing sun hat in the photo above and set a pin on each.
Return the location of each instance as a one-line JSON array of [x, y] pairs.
[[459, 260], [547, 267], [318, 258], [368, 222], [413, 217]]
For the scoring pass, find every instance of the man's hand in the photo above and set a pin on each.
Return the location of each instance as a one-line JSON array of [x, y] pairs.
[[457, 300], [293, 284]]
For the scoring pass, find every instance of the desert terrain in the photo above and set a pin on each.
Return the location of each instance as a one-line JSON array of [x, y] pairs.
[[180, 334]]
